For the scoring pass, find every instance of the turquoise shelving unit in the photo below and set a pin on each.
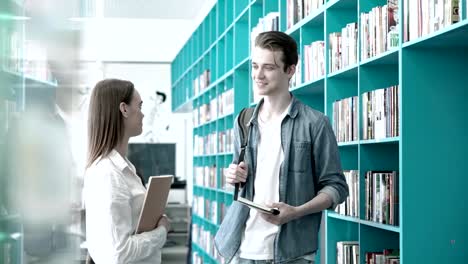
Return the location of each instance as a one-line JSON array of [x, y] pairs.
[[428, 152]]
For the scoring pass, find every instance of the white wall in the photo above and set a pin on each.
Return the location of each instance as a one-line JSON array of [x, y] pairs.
[[155, 40], [149, 40]]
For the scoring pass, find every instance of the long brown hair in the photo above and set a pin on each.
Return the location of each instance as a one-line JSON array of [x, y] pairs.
[[105, 121]]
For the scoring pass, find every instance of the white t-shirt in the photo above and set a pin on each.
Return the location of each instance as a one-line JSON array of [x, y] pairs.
[[259, 236], [113, 197]]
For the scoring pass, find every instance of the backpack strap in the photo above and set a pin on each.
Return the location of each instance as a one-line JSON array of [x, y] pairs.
[[244, 117]]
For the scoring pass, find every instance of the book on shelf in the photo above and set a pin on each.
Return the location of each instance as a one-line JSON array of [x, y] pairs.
[[297, 10], [380, 110], [201, 82], [347, 252], [226, 102], [314, 60], [422, 17], [297, 77], [270, 22], [387, 256], [350, 206], [379, 29], [345, 119], [343, 48], [382, 197]]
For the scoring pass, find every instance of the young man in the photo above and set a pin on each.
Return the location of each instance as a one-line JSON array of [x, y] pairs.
[[292, 163]]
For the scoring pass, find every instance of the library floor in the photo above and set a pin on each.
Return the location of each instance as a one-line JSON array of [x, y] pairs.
[[174, 254]]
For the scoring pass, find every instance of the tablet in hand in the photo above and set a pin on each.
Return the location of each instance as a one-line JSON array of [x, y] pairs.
[[261, 208]]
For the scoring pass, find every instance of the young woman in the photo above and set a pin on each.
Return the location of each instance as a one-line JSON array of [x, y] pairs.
[[113, 192]]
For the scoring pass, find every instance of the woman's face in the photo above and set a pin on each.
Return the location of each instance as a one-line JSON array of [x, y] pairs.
[[134, 119]]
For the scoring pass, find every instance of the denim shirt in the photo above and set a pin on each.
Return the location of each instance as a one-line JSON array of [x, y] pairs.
[[311, 165]]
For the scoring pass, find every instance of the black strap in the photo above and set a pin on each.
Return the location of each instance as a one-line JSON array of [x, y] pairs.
[[244, 117]]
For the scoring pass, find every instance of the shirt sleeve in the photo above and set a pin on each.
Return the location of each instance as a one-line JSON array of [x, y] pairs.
[[331, 180], [110, 232]]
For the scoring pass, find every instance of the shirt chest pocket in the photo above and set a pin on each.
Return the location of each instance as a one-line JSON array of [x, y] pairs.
[[300, 156]]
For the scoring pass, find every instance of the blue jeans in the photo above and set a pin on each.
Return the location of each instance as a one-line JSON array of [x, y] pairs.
[[298, 261]]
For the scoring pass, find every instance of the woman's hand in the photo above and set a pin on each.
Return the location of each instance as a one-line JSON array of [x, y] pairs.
[[165, 222]]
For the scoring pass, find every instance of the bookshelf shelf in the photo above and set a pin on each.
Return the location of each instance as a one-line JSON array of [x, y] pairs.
[[204, 220], [346, 73], [395, 229], [348, 143], [344, 217], [316, 18], [226, 192], [315, 87], [427, 142], [385, 58], [451, 36], [392, 140], [203, 253], [225, 154]]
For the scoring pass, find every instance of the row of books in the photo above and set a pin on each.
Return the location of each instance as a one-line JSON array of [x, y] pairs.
[[347, 252], [205, 145], [226, 102], [351, 206], [206, 176], [379, 29], [205, 113], [226, 141], [204, 239], [209, 209], [297, 77], [197, 258], [380, 113], [345, 123], [387, 256], [213, 143], [221, 105], [381, 197], [270, 22], [422, 17], [201, 82], [296, 10], [205, 208], [314, 60], [343, 47]]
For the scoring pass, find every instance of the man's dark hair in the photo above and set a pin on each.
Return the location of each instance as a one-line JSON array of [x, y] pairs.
[[279, 41]]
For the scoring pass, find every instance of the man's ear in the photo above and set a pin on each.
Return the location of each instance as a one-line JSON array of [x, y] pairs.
[[123, 109], [291, 70]]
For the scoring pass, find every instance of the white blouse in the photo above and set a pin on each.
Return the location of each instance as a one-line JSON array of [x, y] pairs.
[[113, 197]]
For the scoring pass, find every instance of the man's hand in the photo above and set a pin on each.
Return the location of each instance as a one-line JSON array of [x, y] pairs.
[[236, 173], [287, 213]]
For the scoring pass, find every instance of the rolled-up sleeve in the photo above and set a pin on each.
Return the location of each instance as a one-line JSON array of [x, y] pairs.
[[328, 169]]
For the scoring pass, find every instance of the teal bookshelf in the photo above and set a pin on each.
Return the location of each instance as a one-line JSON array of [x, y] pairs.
[[427, 152]]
